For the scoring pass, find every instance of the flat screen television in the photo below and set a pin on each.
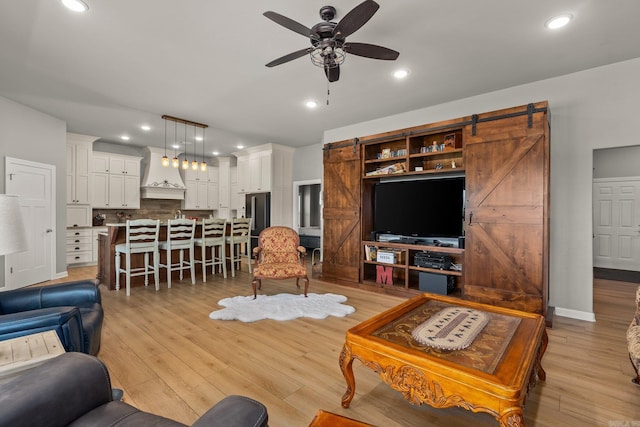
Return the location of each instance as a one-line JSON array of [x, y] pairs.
[[429, 208]]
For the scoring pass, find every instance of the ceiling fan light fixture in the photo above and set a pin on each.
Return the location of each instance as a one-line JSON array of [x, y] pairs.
[[75, 5], [328, 57], [558, 21]]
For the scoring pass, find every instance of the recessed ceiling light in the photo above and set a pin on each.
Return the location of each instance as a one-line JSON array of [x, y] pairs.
[[76, 5], [145, 127], [400, 74], [125, 137], [215, 153], [198, 138], [311, 104], [558, 21], [175, 146], [240, 147]]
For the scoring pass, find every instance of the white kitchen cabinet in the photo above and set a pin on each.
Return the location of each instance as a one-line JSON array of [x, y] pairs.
[[202, 189], [78, 171], [100, 193], [78, 179], [262, 169], [254, 172], [116, 181], [79, 246], [124, 191], [100, 162], [78, 215], [243, 170]]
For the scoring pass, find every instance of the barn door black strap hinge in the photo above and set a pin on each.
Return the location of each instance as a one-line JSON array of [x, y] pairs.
[[355, 145], [474, 122], [530, 110]]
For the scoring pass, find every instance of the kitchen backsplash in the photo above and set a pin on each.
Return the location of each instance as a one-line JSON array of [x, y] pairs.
[[150, 208]]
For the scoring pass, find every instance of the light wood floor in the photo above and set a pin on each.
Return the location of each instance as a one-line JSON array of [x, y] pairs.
[[172, 360]]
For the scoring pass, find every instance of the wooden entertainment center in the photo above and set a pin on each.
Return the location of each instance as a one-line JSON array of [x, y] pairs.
[[504, 158]]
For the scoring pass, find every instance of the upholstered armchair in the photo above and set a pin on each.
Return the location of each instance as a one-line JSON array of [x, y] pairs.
[[72, 309], [279, 256], [633, 339]]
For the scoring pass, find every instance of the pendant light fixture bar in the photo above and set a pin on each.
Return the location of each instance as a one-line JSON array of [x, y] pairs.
[[184, 121]]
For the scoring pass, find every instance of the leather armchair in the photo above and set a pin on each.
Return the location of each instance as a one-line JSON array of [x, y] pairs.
[[75, 389], [72, 309]]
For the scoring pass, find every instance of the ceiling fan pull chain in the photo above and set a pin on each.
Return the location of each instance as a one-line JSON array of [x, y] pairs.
[[328, 93]]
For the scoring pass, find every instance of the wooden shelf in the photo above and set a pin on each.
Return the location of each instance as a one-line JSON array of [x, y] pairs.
[[456, 151], [406, 274]]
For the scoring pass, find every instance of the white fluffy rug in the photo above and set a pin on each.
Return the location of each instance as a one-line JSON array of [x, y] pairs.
[[282, 307]]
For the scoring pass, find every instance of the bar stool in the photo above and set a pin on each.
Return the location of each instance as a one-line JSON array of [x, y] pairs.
[[180, 234], [213, 236], [141, 237], [239, 234]]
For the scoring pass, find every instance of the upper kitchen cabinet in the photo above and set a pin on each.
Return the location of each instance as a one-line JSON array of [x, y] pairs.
[[116, 181], [202, 188], [78, 168]]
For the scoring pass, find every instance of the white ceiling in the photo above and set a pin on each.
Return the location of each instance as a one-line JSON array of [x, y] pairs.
[[127, 62]]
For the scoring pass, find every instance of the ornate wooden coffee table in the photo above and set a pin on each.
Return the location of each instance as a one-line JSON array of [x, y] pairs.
[[493, 374]]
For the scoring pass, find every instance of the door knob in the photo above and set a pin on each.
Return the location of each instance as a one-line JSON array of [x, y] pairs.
[[49, 230]]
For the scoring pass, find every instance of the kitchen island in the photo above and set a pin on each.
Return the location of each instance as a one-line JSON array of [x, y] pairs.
[[116, 234]]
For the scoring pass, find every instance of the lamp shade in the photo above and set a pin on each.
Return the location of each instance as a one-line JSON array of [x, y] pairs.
[[12, 233]]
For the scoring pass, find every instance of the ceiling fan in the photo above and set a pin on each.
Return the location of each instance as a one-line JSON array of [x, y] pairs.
[[328, 39]]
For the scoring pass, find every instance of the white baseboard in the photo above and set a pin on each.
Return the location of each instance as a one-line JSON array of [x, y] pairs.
[[575, 314], [61, 275]]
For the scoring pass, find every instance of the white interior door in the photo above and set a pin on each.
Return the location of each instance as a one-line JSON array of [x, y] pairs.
[[34, 183], [616, 223]]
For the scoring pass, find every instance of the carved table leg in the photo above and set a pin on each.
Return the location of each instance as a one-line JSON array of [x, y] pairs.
[[346, 365], [543, 347], [512, 417]]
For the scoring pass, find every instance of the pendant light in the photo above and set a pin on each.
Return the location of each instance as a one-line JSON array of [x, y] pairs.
[[203, 165], [194, 163], [165, 159], [175, 162], [185, 162]]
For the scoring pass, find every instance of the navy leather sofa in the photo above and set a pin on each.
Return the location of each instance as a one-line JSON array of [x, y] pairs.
[[75, 389], [72, 309]]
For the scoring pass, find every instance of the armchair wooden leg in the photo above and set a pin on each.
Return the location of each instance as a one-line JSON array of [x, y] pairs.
[[255, 283], [306, 285]]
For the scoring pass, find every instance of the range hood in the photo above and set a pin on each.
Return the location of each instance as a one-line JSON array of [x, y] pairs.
[[160, 182]]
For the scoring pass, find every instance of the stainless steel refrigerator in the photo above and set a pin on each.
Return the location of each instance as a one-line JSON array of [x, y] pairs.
[[258, 208]]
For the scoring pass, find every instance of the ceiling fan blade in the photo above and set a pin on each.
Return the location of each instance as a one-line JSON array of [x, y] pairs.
[[371, 51], [292, 25], [356, 18], [290, 57], [332, 73]]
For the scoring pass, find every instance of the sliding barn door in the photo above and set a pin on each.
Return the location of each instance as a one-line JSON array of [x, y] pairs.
[[507, 192], [341, 213]]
